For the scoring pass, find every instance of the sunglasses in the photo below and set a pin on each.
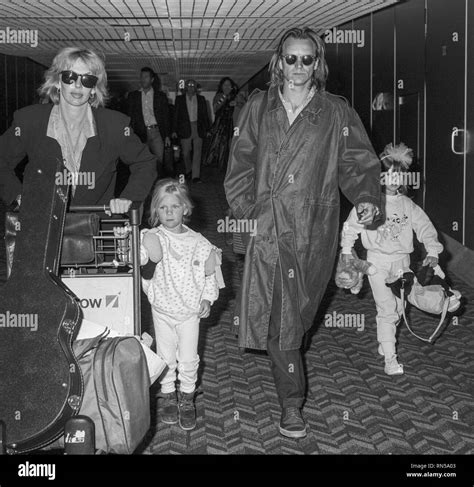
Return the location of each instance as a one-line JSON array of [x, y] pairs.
[[307, 59], [87, 80]]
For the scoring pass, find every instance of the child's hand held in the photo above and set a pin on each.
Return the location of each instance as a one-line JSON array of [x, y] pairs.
[[152, 244]]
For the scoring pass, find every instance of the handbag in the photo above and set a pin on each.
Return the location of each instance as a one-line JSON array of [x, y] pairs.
[[77, 244], [429, 293]]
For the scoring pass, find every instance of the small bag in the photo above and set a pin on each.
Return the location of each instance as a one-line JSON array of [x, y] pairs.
[[434, 296], [116, 391], [77, 244]]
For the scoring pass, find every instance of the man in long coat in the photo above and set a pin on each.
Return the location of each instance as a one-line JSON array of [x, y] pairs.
[[295, 146]]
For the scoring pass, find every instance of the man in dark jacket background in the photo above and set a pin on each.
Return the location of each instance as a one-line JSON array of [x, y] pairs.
[[191, 123], [296, 146], [149, 114]]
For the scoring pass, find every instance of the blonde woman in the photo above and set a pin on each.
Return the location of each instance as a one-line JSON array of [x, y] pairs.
[[76, 129]]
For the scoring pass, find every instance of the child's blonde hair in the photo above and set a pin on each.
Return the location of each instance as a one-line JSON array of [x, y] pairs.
[[169, 186], [397, 158]]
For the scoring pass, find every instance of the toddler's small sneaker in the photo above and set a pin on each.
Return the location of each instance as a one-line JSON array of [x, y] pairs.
[[392, 367], [454, 301], [168, 407], [187, 411]]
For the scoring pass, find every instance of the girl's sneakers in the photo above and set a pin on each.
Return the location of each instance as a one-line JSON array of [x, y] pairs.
[[168, 405], [392, 367], [187, 411]]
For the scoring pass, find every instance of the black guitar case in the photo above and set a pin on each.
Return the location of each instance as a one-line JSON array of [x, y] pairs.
[[41, 385]]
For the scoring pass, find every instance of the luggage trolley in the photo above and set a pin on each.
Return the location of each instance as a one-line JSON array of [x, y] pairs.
[[108, 290], [109, 287]]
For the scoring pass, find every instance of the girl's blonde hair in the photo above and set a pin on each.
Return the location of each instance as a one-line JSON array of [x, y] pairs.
[[169, 186], [397, 158], [63, 61]]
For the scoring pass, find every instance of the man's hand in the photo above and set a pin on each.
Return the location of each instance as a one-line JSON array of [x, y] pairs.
[[119, 205], [174, 135], [366, 213], [431, 261], [167, 142], [152, 244], [204, 309]]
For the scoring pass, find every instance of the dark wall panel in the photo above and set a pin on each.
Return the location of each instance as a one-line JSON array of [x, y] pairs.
[[344, 60], [445, 111], [469, 241], [19, 79], [383, 24], [410, 75], [11, 88], [3, 95], [362, 57]]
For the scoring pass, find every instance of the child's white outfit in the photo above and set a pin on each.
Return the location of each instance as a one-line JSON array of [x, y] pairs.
[[389, 248], [175, 292]]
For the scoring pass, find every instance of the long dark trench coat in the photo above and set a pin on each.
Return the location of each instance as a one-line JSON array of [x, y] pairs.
[[286, 178]]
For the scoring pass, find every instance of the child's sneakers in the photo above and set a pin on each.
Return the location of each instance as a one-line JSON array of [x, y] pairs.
[[392, 367], [168, 405], [187, 410], [454, 301]]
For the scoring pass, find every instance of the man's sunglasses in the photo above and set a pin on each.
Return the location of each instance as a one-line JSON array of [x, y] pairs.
[[307, 59], [87, 80]]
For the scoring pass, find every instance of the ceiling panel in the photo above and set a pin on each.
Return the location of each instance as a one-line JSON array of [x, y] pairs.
[[202, 39]]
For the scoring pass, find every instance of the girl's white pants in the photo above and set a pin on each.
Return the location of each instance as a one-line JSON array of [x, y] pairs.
[[389, 307], [176, 343]]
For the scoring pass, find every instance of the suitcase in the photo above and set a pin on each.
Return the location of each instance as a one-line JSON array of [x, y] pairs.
[[116, 391]]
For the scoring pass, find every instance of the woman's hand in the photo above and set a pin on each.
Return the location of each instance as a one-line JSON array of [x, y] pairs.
[[204, 309], [119, 205], [152, 244]]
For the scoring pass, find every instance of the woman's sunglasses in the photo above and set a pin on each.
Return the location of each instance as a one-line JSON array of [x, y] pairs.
[[307, 59], [87, 80]]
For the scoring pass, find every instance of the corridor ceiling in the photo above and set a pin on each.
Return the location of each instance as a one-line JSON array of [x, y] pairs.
[[179, 39]]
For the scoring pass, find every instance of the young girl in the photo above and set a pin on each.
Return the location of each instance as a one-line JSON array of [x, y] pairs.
[[389, 247], [181, 277]]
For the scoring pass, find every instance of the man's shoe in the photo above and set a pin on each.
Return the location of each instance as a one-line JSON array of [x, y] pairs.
[[197, 180], [168, 405], [188, 175], [292, 423], [187, 411]]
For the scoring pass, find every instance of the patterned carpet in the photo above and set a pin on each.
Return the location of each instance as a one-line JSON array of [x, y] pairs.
[[352, 406]]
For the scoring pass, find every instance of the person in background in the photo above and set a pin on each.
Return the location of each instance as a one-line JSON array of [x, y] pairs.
[[191, 124], [148, 111], [222, 129]]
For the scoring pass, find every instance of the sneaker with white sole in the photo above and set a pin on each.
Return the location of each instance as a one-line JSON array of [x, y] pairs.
[[392, 367], [292, 423]]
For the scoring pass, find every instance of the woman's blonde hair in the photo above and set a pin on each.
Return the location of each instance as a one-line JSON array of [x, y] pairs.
[[169, 186], [63, 61]]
